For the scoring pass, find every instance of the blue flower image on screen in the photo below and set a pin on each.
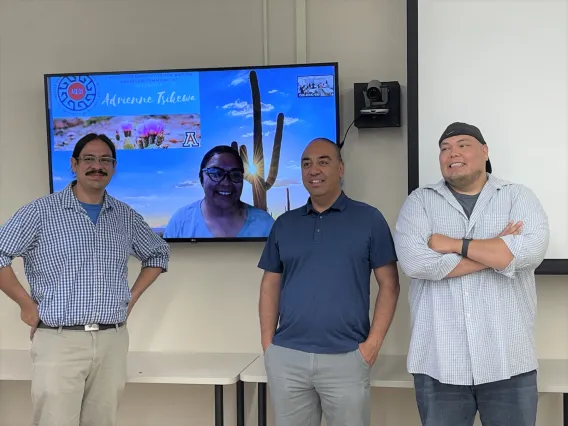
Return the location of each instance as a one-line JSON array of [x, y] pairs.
[[164, 122]]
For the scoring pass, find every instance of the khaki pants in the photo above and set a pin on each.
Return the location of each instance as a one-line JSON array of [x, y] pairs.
[[78, 376]]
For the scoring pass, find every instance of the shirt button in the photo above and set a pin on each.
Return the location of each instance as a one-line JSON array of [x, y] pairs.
[[321, 217], [466, 293]]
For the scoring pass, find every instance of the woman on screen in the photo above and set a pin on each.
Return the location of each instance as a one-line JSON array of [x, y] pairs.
[[221, 213]]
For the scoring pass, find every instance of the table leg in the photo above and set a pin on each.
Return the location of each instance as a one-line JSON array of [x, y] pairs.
[[262, 404], [240, 403], [218, 405], [565, 409]]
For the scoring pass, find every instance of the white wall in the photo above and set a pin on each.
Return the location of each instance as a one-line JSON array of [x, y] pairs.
[[194, 307], [501, 96]]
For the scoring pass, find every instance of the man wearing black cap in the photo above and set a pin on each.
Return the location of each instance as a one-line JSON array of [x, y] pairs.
[[470, 244]]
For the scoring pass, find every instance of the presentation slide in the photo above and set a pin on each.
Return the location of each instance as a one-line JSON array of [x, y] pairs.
[[502, 66], [164, 124]]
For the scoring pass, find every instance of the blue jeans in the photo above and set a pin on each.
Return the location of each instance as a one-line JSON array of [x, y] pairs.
[[511, 402]]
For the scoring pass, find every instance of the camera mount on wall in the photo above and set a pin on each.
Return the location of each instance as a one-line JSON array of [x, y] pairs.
[[377, 104]]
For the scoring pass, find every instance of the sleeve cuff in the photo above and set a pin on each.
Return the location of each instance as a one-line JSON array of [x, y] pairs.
[[513, 243], [269, 268], [5, 261], [448, 263], [382, 263], [156, 263]]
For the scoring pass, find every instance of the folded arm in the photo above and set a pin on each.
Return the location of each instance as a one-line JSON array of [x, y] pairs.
[[492, 252], [516, 252], [510, 251], [465, 267], [416, 258]]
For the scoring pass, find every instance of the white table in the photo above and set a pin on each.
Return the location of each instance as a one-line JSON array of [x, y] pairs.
[[217, 369], [390, 372]]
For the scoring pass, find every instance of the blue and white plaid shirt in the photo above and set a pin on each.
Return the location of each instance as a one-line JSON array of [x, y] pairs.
[[77, 270], [477, 328]]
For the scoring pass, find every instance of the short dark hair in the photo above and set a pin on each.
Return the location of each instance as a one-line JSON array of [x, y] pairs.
[[80, 145], [220, 149]]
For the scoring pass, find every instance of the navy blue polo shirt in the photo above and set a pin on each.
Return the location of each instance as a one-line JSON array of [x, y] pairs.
[[326, 260]]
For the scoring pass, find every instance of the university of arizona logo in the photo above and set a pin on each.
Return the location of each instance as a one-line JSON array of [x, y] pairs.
[[77, 93], [191, 140]]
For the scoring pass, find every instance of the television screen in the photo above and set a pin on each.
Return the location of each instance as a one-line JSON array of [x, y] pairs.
[[202, 155]]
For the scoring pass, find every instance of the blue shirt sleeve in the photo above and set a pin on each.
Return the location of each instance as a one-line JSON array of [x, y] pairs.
[[19, 234], [149, 247], [382, 245], [270, 259]]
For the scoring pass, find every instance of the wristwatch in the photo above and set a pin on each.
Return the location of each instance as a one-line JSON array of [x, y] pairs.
[[465, 246]]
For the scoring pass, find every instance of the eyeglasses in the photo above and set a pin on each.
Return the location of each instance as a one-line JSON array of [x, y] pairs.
[[217, 174], [91, 159]]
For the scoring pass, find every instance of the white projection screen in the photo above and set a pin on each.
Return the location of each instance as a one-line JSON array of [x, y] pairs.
[[501, 65]]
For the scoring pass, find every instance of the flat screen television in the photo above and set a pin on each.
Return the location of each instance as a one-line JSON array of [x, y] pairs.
[[165, 122]]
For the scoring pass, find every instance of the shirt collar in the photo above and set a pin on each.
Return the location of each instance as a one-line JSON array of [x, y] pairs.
[[70, 201], [338, 205], [492, 181]]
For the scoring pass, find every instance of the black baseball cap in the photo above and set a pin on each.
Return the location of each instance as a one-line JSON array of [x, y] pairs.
[[459, 128]]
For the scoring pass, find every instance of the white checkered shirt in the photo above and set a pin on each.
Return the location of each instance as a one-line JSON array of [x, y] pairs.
[[77, 270], [477, 328]]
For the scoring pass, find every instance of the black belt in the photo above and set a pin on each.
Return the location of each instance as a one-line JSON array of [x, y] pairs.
[[86, 327]]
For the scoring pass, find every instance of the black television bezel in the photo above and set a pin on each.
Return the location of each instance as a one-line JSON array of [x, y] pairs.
[[46, 78], [548, 266]]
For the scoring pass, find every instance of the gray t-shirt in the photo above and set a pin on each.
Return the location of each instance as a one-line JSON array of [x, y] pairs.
[[466, 201]]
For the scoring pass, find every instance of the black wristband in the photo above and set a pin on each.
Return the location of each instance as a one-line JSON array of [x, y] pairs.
[[465, 245]]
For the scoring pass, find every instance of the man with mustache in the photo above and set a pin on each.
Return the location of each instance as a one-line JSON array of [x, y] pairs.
[[471, 243], [319, 344], [75, 245]]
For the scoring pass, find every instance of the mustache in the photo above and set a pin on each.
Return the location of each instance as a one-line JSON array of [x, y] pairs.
[[92, 172]]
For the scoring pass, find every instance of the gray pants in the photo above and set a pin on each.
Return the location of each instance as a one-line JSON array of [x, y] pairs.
[[302, 385]]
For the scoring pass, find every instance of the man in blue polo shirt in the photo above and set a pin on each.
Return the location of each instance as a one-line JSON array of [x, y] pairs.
[[317, 261]]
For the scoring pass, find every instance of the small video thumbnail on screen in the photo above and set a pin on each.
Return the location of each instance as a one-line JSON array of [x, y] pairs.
[[315, 86]]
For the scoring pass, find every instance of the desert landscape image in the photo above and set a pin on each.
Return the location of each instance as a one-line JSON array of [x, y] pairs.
[[130, 132]]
